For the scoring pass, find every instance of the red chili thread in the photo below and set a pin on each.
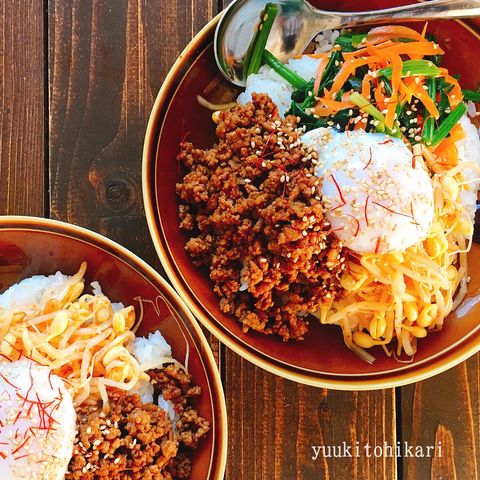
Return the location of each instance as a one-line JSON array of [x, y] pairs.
[[396, 213], [413, 214], [414, 162], [21, 456], [339, 193], [21, 445], [365, 209], [377, 246], [386, 141], [369, 160], [5, 379], [262, 156], [6, 358], [50, 379], [357, 223]]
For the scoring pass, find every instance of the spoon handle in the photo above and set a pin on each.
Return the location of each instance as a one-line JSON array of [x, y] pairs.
[[420, 11]]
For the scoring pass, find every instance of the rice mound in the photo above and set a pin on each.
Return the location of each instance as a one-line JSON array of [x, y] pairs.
[[468, 152], [34, 291]]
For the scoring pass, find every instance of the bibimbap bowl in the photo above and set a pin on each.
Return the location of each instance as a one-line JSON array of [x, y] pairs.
[[33, 246], [321, 359]]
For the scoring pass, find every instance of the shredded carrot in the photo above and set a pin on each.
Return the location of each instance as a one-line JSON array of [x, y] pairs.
[[313, 55], [326, 107], [456, 134], [396, 63], [319, 74], [363, 51], [448, 155], [456, 95], [419, 92], [379, 97], [381, 34], [366, 86], [347, 69], [424, 30]]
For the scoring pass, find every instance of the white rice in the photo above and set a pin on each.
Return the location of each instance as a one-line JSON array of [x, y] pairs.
[[279, 90], [32, 293], [153, 352], [326, 40], [469, 152]]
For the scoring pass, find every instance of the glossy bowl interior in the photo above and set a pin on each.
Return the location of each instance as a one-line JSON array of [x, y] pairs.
[[322, 359], [30, 246]]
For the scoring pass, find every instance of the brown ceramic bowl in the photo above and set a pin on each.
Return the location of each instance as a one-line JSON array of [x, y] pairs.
[[322, 358], [30, 246]]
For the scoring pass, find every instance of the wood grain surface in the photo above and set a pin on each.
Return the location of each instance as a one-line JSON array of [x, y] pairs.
[[22, 85], [104, 62]]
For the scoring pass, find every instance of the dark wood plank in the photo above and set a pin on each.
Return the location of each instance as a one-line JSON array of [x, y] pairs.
[[274, 423], [444, 412], [107, 61], [22, 168]]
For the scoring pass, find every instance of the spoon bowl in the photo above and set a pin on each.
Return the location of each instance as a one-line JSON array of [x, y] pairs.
[[297, 23]]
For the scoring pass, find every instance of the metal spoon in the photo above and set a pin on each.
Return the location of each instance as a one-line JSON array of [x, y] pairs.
[[297, 23]]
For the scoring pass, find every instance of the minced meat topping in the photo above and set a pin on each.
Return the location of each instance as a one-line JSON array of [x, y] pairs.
[[135, 440], [252, 207]]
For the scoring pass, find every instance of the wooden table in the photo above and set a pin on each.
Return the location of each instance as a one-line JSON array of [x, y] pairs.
[[78, 80]]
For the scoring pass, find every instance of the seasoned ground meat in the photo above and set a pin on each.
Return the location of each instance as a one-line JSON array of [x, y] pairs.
[[253, 209], [133, 440]]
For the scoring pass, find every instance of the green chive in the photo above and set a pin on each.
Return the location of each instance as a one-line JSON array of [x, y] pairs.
[[350, 39], [290, 76], [413, 67], [429, 122], [268, 17], [367, 107], [444, 129], [472, 95]]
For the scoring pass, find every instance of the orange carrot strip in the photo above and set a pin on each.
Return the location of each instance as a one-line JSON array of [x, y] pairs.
[[363, 51], [456, 95], [419, 92], [313, 55], [406, 92], [366, 86], [379, 97], [456, 134], [448, 155], [396, 62], [424, 30], [327, 107], [349, 67], [415, 50], [381, 34]]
